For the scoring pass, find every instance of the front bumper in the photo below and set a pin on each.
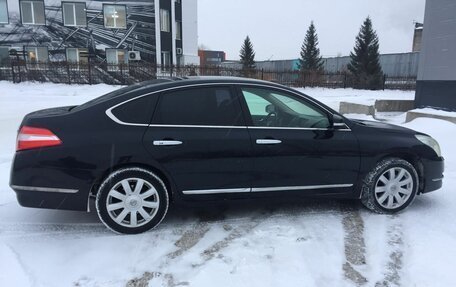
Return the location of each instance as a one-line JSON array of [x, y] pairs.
[[433, 174]]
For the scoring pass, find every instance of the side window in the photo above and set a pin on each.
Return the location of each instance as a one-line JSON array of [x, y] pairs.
[[138, 111], [270, 108], [212, 106], [257, 105]]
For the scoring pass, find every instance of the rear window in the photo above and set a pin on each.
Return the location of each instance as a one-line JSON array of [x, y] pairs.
[[211, 106], [138, 111], [120, 92]]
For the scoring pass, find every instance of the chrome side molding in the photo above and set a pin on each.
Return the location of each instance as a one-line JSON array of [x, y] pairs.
[[304, 187], [44, 189], [216, 191], [264, 189]]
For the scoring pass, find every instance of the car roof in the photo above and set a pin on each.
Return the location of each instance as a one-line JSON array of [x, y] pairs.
[[166, 82], [163, 83]]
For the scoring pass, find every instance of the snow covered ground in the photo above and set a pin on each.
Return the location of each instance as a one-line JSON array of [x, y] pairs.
[[308, 243]]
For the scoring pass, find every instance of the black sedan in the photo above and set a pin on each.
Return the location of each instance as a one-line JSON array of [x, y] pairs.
[[139, 148]]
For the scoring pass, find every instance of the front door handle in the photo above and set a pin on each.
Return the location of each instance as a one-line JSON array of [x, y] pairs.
[[167, 142], [268, 141]]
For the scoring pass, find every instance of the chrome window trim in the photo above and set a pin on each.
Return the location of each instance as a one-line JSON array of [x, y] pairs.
[[196, 126], [115, 119], [44, 189], [264, 189], [297, 128]]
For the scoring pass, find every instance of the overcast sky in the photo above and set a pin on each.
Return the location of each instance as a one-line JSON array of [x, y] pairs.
[[277, 28]]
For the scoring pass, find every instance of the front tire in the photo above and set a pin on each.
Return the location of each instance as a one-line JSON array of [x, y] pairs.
[[390, 187], [132, 201]]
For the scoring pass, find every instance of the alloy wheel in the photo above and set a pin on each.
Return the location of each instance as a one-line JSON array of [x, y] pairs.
[[393, 188], [132, 202]]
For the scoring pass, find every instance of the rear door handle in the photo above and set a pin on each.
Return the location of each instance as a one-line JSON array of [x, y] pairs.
[[268, 141], [161, 143]]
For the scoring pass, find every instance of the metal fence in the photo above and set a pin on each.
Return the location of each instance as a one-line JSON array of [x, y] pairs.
[[125, 74]]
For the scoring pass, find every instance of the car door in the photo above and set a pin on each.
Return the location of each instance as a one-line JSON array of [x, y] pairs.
[[295, 146], [198, 135]]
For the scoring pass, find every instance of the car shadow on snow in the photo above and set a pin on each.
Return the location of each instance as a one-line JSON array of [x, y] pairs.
[[41, 221]]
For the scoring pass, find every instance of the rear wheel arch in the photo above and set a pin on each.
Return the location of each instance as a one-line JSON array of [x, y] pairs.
[[157, 171], [132, 200]]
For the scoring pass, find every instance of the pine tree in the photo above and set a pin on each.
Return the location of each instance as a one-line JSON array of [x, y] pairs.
[[247, 55], [310, 53], [365, 59]]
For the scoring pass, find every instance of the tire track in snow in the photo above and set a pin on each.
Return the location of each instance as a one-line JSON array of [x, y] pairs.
[[392, 273], [238, 232], [166, 280], [189, 239], [354, 245]]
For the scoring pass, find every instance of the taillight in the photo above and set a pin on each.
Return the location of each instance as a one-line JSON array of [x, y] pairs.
[[31, 138]]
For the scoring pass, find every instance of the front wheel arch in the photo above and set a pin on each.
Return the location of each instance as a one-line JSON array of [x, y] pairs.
[[369, 185], [411, 158]]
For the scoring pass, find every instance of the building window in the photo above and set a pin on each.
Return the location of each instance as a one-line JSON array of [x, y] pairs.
[[32, 12], [3, 12], [116, 56], [115, 16], [4, 55], [37, 54], [178, 30], [77, 55], [166, 59], [74, 14], [165, 20]]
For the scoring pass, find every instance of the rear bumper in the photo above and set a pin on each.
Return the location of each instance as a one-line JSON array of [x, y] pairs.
[[28, 197], [43, 186], [433, 174]]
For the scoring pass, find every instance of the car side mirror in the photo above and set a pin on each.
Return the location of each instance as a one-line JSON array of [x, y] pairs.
[[270, 109], [338, 121]]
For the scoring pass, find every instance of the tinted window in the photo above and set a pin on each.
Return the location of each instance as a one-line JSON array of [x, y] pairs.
[[215, 106], [138, 111], [269, 108], [120, 92]]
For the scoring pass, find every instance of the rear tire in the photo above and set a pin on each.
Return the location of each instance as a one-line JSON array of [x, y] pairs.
[[132, 201], [390, 187]]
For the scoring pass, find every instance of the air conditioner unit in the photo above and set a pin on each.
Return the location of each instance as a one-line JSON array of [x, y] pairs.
[[179, 51], [134, 55]]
